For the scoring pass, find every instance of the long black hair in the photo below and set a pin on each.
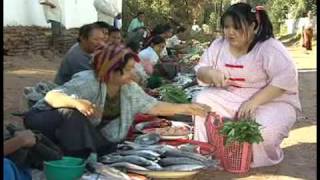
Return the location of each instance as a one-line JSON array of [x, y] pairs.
[[157, 39], [244, 15], [160, 29]]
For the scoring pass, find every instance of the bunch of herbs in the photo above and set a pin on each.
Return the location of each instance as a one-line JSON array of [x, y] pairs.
[[173, 94], [243, 130]]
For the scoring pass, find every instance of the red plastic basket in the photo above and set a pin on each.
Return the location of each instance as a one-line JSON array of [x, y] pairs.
[[234, 157]]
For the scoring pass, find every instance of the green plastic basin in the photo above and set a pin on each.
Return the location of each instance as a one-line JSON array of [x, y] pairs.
[[68, 168]]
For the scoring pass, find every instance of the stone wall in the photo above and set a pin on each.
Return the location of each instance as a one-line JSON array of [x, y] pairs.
[[20, 40]]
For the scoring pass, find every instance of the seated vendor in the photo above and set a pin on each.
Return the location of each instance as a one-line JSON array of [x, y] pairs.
[[148, 58], [250, 75], [95, 109], [79, 55], [21, 139], [174, 44], [167, 66]]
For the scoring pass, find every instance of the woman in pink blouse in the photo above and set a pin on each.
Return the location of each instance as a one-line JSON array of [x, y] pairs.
[[250, 74]]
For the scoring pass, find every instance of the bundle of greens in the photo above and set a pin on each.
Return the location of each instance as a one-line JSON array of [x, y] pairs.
[[173, 94], [154, 82], [244, 130]]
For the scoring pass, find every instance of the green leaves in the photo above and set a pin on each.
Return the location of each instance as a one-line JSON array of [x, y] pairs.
[[154, 82], [245, 130], [173, 94]]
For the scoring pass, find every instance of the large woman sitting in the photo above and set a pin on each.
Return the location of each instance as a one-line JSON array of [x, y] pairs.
[[94, 110], [251, 75]]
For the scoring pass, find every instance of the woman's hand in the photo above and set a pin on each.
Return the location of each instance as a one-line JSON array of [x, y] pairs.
[[213, 77], [218, 78], [247, 109], [85, 107], [197, 109], [26, 137]]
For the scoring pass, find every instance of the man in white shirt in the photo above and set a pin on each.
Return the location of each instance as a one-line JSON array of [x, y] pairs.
[[53, 15], [107, 11], [174, 44]]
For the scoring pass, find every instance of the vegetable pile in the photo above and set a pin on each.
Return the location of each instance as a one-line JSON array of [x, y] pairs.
[[154, 82], [245, 130], [173, 94]]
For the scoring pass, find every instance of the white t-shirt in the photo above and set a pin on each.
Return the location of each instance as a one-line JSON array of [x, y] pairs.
[[107, 10], [54, 14], [173, 41], [309, 23], [149, 54], [196, 28]]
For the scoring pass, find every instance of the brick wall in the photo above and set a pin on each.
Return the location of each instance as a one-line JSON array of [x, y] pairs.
[[20, 40]]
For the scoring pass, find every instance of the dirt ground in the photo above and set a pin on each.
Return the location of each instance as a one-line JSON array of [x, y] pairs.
[[299, 147]]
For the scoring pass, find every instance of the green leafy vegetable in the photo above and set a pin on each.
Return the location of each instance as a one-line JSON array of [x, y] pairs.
[[154, 82], [245, 130], [173, 94]]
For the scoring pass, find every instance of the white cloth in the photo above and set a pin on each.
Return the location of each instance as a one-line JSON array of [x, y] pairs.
[[106, 10], [173, 41], [164, 52], [309, 23], [53, 14], [196, 28], [149, 54], [118, 23]]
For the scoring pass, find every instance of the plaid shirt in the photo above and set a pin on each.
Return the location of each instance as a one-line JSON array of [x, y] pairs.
[[84, 85]]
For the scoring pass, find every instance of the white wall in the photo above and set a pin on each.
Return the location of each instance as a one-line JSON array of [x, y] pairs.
[[23, 12], [79, 12], [30, 12], [295, 26]]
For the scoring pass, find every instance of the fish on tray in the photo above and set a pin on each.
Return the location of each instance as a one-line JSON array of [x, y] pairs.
[[178, 153], [154, 148], [154, 166], [148, 154], [169, 161], [134, 159], [126, 165], [147, 139], [111, 173], [184, 167]]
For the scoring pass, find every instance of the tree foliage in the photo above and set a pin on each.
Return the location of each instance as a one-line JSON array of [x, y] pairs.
[[208, 11]]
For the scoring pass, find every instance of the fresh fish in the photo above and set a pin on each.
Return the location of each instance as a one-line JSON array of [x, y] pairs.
[[125, 147], [111, 173], [110, 158], [213, 163], [169, 161], [133, 146], [155, 166], [184, 167], [148, 154], [178, 153], [148, 139], [141, 161], [127, 165]]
